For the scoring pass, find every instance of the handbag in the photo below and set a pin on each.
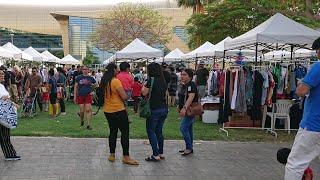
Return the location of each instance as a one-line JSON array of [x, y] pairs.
[[195, 108], [8, 114], [145, 111]]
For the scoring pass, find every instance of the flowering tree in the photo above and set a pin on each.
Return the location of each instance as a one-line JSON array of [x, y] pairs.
[[127, 22]]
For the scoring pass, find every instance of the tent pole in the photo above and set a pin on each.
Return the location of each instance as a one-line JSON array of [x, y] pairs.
[[223, 60], [256, 57], [214, 61], [291, 57]]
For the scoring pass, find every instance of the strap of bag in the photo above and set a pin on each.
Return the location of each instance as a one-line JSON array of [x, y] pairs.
[[152, 81]]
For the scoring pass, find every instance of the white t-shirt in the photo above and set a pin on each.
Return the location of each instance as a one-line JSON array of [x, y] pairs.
[[98, 77], [3, 91]]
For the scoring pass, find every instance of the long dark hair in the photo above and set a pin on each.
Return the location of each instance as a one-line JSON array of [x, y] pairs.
[[108, 75], [155, 70]]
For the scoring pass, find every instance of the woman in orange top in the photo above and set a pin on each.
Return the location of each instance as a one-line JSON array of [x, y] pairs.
[[116, 114]]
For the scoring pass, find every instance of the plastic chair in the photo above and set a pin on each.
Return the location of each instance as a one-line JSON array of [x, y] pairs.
[[281, 110]]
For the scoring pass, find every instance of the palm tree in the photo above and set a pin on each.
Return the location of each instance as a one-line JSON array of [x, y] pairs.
[[196, 5]]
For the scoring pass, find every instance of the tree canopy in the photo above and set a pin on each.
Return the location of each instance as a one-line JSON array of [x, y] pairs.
[[235, 17], [127, 22]]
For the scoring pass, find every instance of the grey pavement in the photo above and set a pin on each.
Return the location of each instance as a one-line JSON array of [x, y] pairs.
[[86, 158]]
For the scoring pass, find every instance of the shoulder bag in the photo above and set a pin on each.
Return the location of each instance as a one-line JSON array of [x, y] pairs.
[[145, 111], [195, 108]]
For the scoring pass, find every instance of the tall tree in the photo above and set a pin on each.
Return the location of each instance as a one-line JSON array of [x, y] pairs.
[[90, 58], [127, 22], [235, 17]]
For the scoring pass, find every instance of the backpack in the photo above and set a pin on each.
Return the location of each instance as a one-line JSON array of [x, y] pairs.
[[100, 96]]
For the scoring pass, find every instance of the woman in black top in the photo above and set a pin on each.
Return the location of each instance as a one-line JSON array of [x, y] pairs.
[[187, 95], [159, 110]]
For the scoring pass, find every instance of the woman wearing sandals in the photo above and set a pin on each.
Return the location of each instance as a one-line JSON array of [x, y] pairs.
[[116, 114], [159, 110], [187, 95]]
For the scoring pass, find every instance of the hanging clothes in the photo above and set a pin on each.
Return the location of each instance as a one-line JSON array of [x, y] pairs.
[[241, 105], [272, 85], [249, 88], [222, 84], [226, 108], [282, 80], [209, 82], [264, 87], [235, 91], [256, 113]]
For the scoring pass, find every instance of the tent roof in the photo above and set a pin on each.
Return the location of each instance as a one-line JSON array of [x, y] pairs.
[[138, 49], [110, 59], [18, 54], [35, 54], [68, 59], [206, 49], [280, 54], [304, 53], [4, 53], [50, 57], [174, 55], [277, 29]]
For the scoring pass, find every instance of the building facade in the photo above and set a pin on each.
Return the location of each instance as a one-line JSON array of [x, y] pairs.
[[69, 27]]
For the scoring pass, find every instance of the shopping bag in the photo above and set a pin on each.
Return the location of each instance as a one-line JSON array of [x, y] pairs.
[[8, 114], [145, 110]]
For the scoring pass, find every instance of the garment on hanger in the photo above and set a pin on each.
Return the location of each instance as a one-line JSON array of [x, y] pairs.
[[256, 113], [235, 91], [264, 87], [226, 108], [209, 82], [272, 85], [241, 105], [249, 87], [222, 84]]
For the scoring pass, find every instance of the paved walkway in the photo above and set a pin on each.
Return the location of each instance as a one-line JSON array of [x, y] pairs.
[[69, 158]]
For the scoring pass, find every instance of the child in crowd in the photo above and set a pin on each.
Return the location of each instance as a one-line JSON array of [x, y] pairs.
[[136, 93], [45, 95], [282, 157]]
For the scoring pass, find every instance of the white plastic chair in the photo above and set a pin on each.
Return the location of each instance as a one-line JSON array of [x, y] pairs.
[[280, 110]]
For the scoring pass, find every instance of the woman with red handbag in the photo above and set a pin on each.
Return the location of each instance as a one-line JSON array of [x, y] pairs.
[[188, 95]]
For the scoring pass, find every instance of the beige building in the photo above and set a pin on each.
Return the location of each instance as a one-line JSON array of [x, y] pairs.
[[76, 22]]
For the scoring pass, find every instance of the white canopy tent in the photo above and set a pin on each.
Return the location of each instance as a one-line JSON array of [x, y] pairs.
[[278, 29], [38, 57], [304, 53], [50, 57], [68, 59], [277, 55], [220, 48], [205, 50], [174, 56], [4, 53], [18, 54], [137, 50], [110, 59]]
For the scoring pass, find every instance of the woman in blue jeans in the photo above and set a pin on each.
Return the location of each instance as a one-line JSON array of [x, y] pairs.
[[187, 95], [159, 110]]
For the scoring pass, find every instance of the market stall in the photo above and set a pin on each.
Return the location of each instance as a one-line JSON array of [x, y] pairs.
[[247, 92]]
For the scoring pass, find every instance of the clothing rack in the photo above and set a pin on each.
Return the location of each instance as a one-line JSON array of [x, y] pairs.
[[224, 128]]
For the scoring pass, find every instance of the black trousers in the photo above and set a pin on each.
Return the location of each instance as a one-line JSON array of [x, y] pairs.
[[118, 121], [38, 100], [6, 146], [62, 105]]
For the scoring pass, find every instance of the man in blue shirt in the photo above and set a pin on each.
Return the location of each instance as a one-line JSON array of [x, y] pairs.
[[306, 146]]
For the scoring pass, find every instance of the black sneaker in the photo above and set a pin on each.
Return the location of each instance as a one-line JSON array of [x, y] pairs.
[[82, 123], [13, 158], [89, 128]]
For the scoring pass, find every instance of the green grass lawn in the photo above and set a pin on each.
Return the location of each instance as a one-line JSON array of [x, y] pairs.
[[69, 126]]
